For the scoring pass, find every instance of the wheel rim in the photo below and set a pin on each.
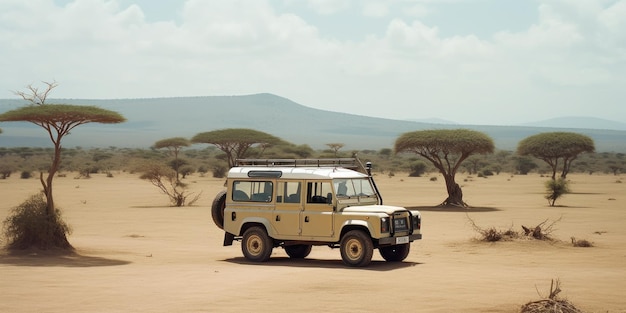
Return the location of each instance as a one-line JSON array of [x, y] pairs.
[[254, 245], [354, 249]]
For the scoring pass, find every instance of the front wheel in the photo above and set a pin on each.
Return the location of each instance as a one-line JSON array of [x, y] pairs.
[[298, 251], [395, 253], [256, 244], [356, 248]]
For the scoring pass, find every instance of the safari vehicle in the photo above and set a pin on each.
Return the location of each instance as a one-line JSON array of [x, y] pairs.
[[299, 203]]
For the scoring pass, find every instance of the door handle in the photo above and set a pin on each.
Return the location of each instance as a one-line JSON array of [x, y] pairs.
[[306, 219]]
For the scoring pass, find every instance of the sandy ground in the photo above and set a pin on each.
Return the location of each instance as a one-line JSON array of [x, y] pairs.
[[136, 254]]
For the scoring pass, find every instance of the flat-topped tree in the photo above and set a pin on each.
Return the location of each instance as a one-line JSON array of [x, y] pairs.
[[446, 149], [235, 142], [173, 145], [58, 120], [556, 147]]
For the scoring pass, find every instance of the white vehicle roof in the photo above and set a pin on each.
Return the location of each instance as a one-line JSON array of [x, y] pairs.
[[294, 172]]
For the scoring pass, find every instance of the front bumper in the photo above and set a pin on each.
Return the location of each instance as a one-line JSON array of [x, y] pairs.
[[393, 240]]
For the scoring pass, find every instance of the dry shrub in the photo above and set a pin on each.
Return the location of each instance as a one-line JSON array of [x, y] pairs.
[[492, 234], [551, 304], [543, 231], [581, 243], [165, 179], [28, 226]]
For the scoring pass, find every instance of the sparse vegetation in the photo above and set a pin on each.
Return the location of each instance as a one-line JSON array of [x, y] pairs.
[[29, 225], [583, 243], [552, 303], [165, 179], [556, 189], [492, 234]]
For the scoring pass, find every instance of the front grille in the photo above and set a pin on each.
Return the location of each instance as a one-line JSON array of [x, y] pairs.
[[400, 224]]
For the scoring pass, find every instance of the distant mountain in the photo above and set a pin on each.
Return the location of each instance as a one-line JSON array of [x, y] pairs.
[[579, 122], [150, 120], [433, 120]]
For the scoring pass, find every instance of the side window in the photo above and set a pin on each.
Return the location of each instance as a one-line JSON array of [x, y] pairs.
[[318, 192], [288, 192], [343, 188], [256, 191]]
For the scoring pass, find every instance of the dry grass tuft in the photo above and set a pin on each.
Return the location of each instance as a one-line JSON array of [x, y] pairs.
[[552, 304], [581, 243], [492, 234]]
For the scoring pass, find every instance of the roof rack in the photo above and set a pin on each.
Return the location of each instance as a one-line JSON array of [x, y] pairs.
[[337, 162]]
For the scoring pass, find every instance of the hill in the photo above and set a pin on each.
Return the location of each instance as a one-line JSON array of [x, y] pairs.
[[582, 122], [153, 119]]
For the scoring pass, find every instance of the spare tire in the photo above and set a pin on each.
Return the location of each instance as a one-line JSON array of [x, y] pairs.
[[217, 209]]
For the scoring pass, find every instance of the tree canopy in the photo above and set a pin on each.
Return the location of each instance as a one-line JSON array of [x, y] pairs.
[[235, 142], [446, 149], [173, 145], [553, 147]]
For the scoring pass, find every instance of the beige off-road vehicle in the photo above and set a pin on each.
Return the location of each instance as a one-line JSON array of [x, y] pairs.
[[297, 204]]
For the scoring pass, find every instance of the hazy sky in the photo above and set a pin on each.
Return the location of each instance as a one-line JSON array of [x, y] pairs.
[[492, 62]]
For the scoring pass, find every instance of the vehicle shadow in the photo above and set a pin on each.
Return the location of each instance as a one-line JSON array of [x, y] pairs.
[[55, 259], [376, 265], [470, 209]]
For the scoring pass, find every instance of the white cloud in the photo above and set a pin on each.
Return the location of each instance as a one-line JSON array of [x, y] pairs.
[[375, 9], [329, 6], [99, 49]]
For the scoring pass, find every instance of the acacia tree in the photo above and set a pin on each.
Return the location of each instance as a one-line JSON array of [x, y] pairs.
[[335, 147], [556, 149], [58, 120], [235, 142], [173, 145], [446, 149]]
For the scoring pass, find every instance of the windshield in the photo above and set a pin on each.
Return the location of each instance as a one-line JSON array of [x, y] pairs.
[[353, 187]]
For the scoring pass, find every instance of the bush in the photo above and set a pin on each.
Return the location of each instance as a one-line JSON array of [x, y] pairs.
[[26, 175], [417, 169], [28, 225], [555, 189], [219, 171]]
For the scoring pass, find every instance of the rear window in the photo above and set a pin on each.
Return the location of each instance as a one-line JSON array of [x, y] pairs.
[[252, 191]]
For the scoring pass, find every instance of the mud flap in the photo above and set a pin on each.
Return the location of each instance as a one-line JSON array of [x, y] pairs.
[[228, 239]]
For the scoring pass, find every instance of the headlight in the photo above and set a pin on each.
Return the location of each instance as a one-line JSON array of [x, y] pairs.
[[417, 222], [384, 225]]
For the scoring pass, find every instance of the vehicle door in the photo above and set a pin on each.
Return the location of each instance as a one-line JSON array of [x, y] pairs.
[[317, 217], [286, 217]]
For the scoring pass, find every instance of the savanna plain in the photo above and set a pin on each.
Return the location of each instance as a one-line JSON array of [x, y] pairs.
[[134, 253]]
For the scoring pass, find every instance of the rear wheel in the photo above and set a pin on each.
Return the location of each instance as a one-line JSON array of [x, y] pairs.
[[395, 253], [356, 248], [256, 245], [298, 251], [217, 209]]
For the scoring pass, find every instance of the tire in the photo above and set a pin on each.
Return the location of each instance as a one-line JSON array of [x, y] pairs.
[[217, 209], [395, 253], [356, 248], [298, 251], [256, 245]]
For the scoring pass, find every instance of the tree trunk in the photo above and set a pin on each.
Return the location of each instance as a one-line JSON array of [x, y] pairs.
[[59, 238], [455, 194]]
